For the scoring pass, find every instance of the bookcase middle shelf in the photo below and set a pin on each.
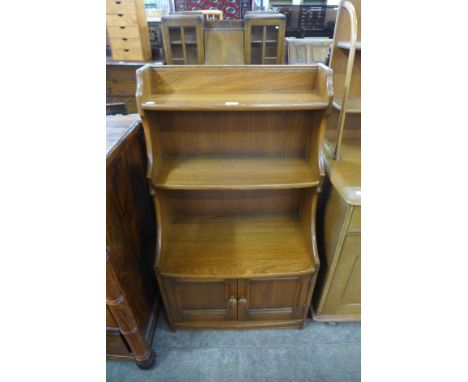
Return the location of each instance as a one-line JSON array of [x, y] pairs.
[[202, 150], [233, 173]]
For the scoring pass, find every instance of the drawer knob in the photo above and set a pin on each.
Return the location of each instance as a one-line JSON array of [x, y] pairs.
[[232, 302], [125, 39], [118, 2], [122, 27], [127, 50], [120, 14]]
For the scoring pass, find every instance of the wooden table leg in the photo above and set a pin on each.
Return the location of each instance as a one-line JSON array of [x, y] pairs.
[[123, 315]]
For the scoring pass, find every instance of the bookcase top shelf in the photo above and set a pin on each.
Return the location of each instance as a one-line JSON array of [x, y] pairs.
[[243, 87], [219, 102]]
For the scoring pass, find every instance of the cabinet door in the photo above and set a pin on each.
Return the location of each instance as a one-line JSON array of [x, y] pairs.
[[273, 298], [201, 300], [345, 294]]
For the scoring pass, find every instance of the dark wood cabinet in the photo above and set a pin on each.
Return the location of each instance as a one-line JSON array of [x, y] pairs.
[[132, 296], [121, 83]]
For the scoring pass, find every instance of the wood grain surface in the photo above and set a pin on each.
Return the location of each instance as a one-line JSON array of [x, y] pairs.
[[234, 173], [236, 246]]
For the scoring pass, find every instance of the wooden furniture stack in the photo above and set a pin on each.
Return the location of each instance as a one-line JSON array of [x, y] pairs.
[[128, 30], [235, 167], [190, 39], [338, 296], [132, 300]]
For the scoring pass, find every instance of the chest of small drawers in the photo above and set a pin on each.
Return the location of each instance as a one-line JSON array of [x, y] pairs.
[[128, 30]]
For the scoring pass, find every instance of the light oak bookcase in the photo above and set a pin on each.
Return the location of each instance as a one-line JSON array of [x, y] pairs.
[[234, 169]]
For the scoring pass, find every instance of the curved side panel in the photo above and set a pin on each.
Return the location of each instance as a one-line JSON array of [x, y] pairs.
[[349, 7]]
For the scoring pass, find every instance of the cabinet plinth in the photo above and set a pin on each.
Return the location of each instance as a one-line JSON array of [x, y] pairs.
[[235, 186]]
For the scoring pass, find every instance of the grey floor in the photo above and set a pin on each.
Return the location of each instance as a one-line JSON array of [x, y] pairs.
[[319, 352]]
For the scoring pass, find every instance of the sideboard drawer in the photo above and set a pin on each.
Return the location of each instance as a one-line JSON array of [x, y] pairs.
[[127, 32], [127, 54], [122, 19], [125, 43], [115, 7]]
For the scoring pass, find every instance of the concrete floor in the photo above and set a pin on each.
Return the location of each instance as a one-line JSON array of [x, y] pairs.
[[319, 352]]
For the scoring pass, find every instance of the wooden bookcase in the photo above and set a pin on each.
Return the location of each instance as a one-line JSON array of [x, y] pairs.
[[338, 293], [235, 167]]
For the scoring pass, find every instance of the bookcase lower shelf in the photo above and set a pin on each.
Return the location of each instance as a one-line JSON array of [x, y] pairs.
[[230, 246], [236, 271]]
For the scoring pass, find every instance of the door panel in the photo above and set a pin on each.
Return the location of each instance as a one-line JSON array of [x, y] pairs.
[[345, 294], [202, 300], [272, 298]]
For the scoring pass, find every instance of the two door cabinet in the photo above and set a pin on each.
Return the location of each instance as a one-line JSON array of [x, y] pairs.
[[235, 168], [237, 303]]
